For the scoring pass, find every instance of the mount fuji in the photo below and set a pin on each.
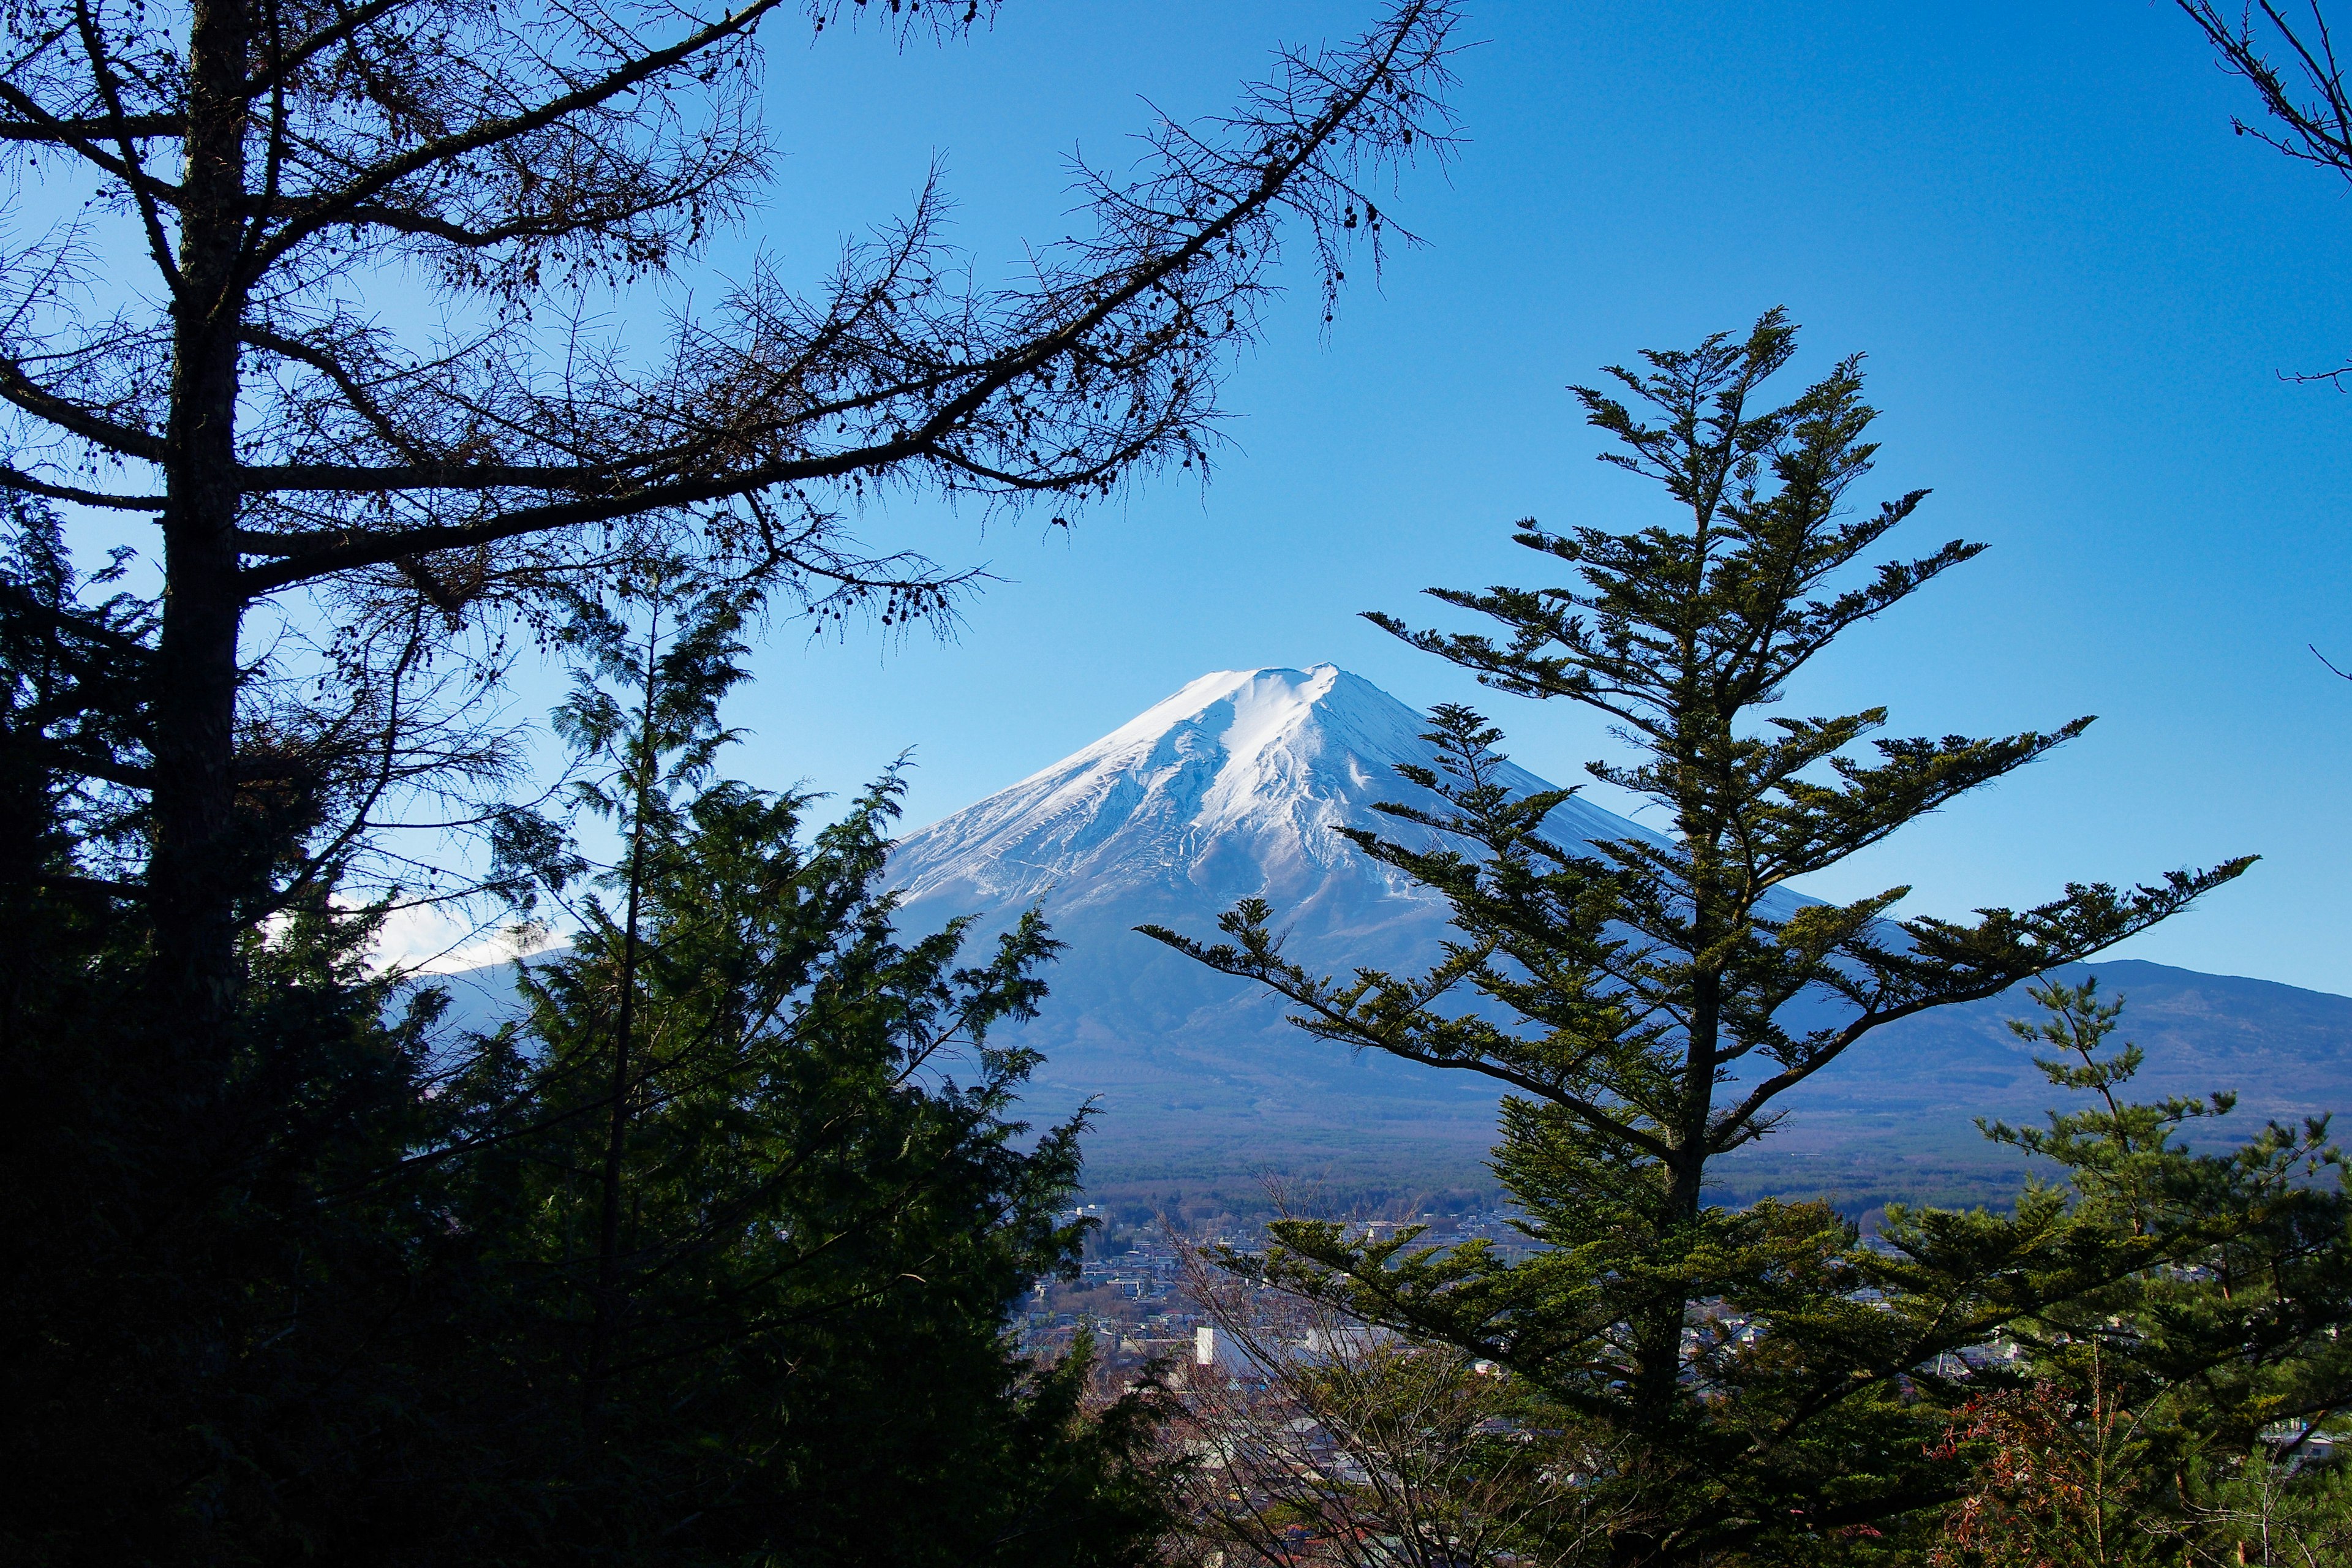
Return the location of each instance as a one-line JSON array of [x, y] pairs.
[[1230, 789], [1234, 787]]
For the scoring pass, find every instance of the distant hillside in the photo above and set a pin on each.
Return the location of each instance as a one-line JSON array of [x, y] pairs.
[[1897, 1117], [1232, 787]]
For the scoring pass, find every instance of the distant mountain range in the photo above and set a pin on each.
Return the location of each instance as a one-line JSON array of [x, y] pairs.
[[1232, 788]]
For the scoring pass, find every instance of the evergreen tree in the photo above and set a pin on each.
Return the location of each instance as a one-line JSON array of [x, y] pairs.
[[753, 1169], [2148, 1414], [1650, 1003], [220, 1337], [367, 1298]]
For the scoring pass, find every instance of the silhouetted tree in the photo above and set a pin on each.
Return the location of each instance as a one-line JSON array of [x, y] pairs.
[[758, 1202], [275, 162], [708, 1258]]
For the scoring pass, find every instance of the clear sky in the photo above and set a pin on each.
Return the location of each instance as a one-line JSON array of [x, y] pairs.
[[2077, 289]]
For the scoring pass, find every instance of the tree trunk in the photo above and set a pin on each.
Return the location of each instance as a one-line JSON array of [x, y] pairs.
[[1659, 1340], [1705, 1054], [616, 1135], [196, 870]]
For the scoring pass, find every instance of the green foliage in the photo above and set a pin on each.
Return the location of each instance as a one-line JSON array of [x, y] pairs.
[[350, 1298], [825, 1213], [2179, 1377], [1760, 1370], [2116, 1155]]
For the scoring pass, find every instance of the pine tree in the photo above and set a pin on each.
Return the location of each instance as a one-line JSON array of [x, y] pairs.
[[1636, 998], [2147, 1415], [401, 1303], [758, 1197]]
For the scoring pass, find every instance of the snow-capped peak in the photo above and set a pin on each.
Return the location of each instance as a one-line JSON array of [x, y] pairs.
[[1231, 787]]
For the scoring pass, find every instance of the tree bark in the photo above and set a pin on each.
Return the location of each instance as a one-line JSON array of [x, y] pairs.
[[616, 1135], [196, 862]]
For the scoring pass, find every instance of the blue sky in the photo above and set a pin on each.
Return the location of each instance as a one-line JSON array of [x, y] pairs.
[[2077, 289]]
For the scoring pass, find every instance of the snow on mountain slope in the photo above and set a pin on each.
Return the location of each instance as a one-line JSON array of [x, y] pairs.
[[1230, 788]]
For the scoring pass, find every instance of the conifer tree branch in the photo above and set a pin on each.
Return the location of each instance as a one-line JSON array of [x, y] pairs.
[[1619, 984]]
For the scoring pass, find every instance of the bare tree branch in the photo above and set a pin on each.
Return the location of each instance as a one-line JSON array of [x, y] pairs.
[[18, 480], [504, 154], [2290, 61]]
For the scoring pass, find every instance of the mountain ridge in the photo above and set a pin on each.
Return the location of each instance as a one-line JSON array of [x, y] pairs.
[[1231, 788], [1221, 791]]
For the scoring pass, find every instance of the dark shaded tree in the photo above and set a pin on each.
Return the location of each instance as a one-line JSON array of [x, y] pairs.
[[766, 1259], [708, 1259], [273, 163], [643, 719], [1651, 1002], [193, 1347]]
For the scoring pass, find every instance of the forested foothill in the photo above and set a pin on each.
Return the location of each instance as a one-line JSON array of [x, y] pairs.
[[713, 1248]]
